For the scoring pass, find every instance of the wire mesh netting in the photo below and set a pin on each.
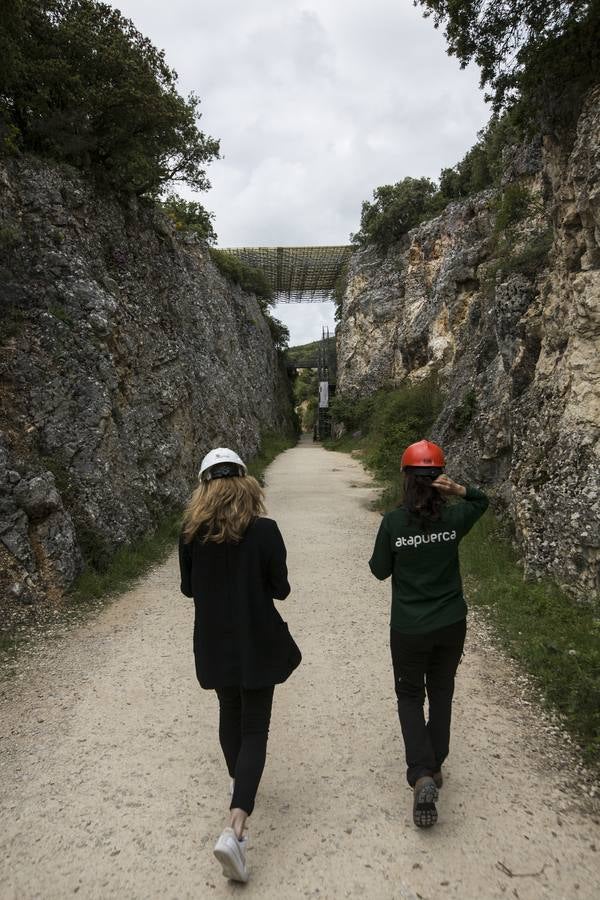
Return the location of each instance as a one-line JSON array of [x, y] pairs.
[[305, 274]]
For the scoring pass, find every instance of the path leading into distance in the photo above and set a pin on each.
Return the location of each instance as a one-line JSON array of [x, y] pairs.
[[112, 783]]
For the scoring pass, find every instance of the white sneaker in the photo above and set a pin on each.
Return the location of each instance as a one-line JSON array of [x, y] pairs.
[[231, 853]]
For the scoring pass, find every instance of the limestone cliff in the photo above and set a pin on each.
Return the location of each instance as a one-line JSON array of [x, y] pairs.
[[511, 322], [125, 356]]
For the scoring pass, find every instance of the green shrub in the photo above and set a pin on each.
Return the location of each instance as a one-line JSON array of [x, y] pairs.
[[388, 421], [306, 385], [60, 313], [10, 237], [512, 207], [532, 257], [309, 413], [81, 85], [280, 333], [190, 217], [354, 413], [556, 640], [464, 411], [109, 573], [396, 208], [62, 478], [249, 279], [539, 54]]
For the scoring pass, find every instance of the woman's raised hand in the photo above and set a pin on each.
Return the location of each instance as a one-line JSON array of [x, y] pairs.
[[445, 485]]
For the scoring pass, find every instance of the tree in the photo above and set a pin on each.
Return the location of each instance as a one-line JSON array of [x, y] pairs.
[[85, 87], [190, 216], [396, 208], [541, 52], [279, 332]]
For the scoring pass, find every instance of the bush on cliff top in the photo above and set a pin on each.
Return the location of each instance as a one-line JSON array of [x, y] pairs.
[[537, 59], [79, 84], [542, 54], [190, 216], [254, 281], [396, 208]]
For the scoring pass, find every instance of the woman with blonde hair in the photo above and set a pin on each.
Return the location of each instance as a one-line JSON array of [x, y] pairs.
[[233, 563]]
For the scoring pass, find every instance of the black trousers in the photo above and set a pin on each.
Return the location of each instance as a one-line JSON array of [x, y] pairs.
[[244, 718], [426, 662]]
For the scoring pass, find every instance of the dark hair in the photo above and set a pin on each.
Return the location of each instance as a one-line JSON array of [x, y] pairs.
[[423, 502]]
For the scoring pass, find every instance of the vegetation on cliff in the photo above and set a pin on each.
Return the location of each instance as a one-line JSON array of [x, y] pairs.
[[79, 84], [539, 54], [537, 60], [396, 208], [190, 216]]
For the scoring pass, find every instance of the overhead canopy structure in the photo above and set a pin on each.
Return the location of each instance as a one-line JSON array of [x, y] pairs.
[[297, 274]]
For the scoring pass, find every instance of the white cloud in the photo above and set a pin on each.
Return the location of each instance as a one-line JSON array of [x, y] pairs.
[[306, 320], [315, 106]]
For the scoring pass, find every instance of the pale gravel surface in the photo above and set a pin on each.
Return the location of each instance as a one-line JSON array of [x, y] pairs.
[[112, 782]]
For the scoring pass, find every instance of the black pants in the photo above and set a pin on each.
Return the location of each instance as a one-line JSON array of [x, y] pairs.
[[244, 720], [426, 662]]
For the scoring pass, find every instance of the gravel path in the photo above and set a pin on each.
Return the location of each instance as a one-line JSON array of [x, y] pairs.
[[112, 783]]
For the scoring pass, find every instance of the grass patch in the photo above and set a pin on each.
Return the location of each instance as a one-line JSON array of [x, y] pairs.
[[380, 426], [556, 640], [60, 313], [272, 443], [129, 563]]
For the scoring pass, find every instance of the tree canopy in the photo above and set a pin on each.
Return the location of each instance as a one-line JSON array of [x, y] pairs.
[[190, 216], [396, 208], [80, 84], [542, 52]]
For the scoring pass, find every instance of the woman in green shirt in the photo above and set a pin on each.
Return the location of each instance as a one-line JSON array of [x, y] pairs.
[[417, 544]]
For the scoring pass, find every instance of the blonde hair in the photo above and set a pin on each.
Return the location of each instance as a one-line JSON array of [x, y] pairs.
[[224, 507]]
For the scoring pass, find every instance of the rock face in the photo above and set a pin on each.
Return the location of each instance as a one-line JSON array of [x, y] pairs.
[[125, 356], [511, 324]]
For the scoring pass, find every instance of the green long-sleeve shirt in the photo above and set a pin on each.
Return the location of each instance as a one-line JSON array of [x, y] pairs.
[[426, 584]]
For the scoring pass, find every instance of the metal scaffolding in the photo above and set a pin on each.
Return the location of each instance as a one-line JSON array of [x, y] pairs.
[[326, 372], [297, 274]]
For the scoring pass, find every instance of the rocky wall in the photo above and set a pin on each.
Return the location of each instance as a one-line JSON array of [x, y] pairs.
[[510, 322], [124, 357]]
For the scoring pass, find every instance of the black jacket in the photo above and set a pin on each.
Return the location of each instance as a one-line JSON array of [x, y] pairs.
[[239, 637]]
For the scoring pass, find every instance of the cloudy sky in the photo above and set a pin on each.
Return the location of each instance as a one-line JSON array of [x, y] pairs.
[[315, 104]]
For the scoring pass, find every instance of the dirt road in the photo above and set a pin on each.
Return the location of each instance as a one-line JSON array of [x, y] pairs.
[[112, 783]]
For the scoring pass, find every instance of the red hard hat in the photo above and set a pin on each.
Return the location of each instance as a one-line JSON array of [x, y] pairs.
[[423, 454]]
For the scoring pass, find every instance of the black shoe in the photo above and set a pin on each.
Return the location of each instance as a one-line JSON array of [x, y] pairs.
[[425, 794]]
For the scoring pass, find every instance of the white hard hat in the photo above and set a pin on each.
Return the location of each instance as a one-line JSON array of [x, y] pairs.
[[218, 457]]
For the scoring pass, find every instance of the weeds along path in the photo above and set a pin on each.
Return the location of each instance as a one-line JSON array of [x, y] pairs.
[[112, 782]]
